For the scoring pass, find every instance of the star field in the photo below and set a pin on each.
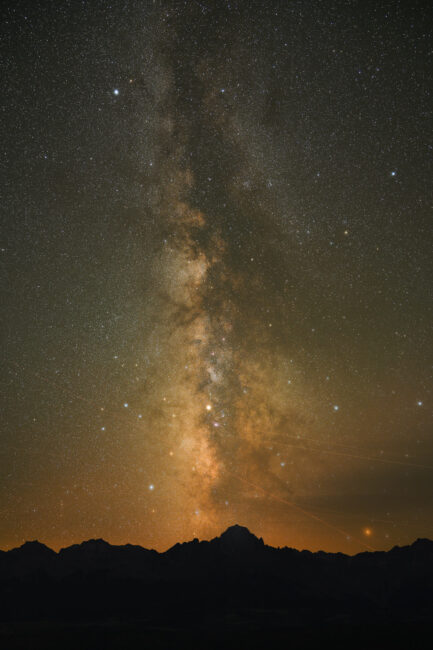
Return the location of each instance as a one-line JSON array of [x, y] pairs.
[[216, 272]]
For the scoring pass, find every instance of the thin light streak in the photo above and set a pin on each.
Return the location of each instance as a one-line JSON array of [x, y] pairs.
[[355, 456], [307, 513]]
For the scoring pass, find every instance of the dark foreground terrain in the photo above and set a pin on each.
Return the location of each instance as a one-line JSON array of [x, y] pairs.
[[231, 592]]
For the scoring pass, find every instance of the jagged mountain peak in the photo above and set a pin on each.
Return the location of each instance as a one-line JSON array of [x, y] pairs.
[[237, 535], [88, 546], [96, 543], [33, 549]]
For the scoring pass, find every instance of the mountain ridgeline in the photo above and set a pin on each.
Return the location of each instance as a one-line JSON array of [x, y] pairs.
[[234, 572]]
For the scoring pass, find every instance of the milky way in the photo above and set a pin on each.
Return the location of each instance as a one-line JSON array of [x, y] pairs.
[[217, 262]]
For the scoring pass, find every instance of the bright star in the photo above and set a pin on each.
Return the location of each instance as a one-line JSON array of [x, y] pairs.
[[151, 487], [419, 403], [116, 91], [336, 407], [126, 405]]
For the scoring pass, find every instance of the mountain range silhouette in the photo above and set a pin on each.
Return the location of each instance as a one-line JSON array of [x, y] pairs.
[[233, 575]]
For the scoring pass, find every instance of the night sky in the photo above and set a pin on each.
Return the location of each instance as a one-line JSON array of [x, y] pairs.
[[216, 259]]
